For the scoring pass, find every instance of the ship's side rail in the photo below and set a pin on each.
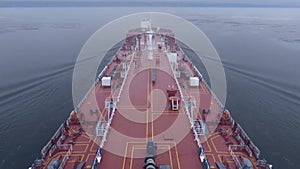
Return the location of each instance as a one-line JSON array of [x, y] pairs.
[[203, 80], [126, 73], [91, 88], [234, 157], [67, 156], [202, 156], [98, 157], [50, 148], [99, 150], [99, 77], [51, 145], [251, 146], [208, 87]]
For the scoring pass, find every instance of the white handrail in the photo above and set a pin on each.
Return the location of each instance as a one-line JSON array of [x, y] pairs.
[[93, 85], [234, 157], [186, 108], [104, 137], [210, 90], [125, 77], [66, 157]]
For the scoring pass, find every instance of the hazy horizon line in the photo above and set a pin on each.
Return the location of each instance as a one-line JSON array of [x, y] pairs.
[[138, 4]]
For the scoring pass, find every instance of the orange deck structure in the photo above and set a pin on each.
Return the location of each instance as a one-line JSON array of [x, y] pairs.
[[150, 98]]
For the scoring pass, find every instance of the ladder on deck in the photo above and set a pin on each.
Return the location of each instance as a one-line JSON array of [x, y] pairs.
[[175, 104]]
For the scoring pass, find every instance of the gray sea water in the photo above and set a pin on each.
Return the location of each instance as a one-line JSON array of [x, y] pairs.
[[259, 47]]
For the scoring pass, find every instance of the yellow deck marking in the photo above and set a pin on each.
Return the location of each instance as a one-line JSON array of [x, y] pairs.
[[208, 146], [216, 150], [210, 154], [104, 113], [229, 158], [136, 142], [147, 105], [139, 147], [148, 92], [55, 155], [214, 159], [88, 156], [167, 111], [131, 107], [151, 86], [167, 147], [151, 109], [131, 158], [147, 126], [178, 161], [84, 142], [170, 155], [92, 146], [125, 153], [86, 146], [74, 155], [152, 126], [227, 153], [211, 140], [204, 88], [244, 155], [221, 158], [207, 142], [143, 146]]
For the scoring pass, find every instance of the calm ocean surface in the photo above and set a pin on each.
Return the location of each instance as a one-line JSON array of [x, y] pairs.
[[259, 47]]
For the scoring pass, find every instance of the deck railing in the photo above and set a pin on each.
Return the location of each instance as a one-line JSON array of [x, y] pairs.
[[66, 157], [185, 100], [231, 150], [252, 147], [205, 83], [208, 87], [91, 88], [104, 137], [50, 147], [186, 108], [97, 80], [125, 77]]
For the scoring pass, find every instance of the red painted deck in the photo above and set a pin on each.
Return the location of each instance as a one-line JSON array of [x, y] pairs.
[[143, 113]]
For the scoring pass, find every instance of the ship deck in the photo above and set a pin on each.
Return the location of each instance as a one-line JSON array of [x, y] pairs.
[[143, 113]]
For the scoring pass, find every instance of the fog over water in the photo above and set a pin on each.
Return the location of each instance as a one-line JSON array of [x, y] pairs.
[[259, 48]]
